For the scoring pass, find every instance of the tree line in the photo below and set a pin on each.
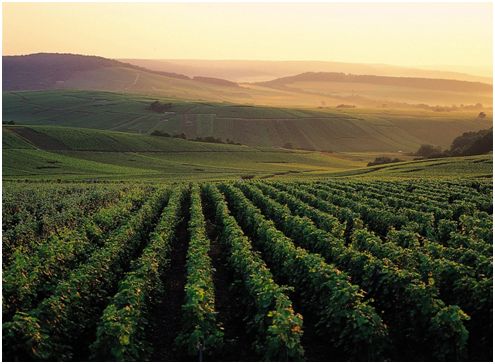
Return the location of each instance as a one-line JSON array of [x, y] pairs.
[[469, 143], [206, 139]]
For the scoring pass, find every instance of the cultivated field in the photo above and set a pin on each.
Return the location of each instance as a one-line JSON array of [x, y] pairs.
[[75, 154], [46, 152], [329, 270], [125, 240], [327, 129]]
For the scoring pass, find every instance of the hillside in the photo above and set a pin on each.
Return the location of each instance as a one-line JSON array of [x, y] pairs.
[[351, 130], [345, 130], [51, 70], [46, 71], [65, 71], [49, 152], [412, 82]]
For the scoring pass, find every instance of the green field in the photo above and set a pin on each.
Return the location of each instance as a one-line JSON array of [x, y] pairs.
[[248, 271], [180, 257], [50, 152], [359, 130]]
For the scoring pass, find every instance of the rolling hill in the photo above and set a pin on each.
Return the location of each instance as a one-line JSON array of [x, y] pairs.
[[51, 70], [411, 82], [352, 130], [47, 153], [410, 90], [65, 71], [48, 71]]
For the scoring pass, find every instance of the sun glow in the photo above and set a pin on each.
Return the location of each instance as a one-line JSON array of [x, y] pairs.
[[449, 36]]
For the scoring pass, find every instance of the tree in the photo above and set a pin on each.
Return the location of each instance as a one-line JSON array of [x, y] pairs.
[[288, 146], [160, 133], [157, 106], [472, 143], [383, 160], [429, 151]]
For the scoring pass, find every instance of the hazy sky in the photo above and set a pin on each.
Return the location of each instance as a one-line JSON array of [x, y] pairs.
[[419, 34]]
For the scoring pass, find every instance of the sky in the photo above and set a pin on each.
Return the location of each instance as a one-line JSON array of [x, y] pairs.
[[454, 36]]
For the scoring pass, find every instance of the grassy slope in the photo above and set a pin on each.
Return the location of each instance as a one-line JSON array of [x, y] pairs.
[[50, 152], [344, 130], [122, 156]]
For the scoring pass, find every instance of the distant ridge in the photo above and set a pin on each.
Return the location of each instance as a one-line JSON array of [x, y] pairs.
[[412, 82], [215, 81], [243, 71]]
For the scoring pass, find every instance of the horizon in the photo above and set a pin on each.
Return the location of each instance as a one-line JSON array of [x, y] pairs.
[[442, 69], [453, 37]]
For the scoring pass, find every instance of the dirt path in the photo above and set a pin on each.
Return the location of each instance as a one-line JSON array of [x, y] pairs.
[[231, 310], [167, 315], [134, 82]]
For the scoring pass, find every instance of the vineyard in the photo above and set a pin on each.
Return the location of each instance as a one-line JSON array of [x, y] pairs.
[[329, 270]]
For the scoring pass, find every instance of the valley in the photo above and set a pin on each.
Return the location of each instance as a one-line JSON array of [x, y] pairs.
[[247, 182]]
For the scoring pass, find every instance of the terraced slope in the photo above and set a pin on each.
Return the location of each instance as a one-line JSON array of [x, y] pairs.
[[324, 130]]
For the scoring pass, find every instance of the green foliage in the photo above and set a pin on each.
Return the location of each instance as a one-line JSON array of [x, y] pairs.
[[344, 318], [159, 107], [429, 151], [52, 152], [399, 291], [123, 333], [472, 143], [62, 317], [383, 160], [469, 143], [35, 275], [322, 129]]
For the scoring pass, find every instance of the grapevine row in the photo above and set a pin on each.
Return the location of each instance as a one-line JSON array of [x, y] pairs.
[[200, 330], [463, 255], [344, 318], [53, 330], [31, 276], [278, 328], [395, 291], [123, 332]]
